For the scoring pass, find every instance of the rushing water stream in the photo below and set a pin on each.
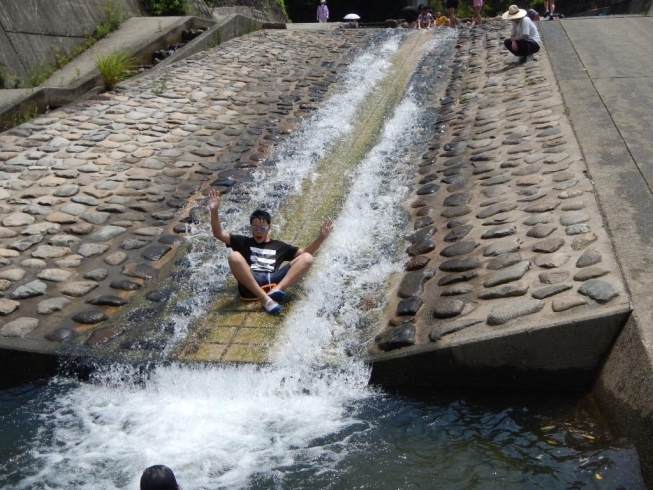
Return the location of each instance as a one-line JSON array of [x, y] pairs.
[[307, 420]]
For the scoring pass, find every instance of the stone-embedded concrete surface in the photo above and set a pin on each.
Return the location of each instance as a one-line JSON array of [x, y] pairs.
[[506, 237], [608, 88], [91, 195]]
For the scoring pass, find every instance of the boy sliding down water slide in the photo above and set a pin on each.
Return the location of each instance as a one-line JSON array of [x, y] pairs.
[[256, 261]]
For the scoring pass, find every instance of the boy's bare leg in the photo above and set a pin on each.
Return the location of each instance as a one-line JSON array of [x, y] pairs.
[[243, 274], [298, 269]]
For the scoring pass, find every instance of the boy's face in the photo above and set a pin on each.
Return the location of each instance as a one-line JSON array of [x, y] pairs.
[[438, 13], [260, 230]]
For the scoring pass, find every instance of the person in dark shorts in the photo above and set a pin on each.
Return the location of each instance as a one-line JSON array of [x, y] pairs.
[[410, 15], [158, 477], [256, 261], [524, 38], [452, 6]]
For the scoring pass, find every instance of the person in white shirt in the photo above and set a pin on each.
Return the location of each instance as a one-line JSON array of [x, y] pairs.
[[524, 38]]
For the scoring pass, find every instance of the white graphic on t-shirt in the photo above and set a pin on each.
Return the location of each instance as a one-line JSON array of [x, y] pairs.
[[263, 259]]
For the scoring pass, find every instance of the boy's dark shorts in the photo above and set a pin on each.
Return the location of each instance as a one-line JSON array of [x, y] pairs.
[[452, 4], [264, 279]]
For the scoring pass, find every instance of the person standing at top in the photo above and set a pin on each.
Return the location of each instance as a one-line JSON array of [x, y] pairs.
[[322, 12], [549, 8], [524, 38], [452, 6], [256, 260], [477, 5]]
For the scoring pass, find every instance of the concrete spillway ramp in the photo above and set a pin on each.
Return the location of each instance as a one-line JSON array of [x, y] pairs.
[[511, 278], [236, 331]]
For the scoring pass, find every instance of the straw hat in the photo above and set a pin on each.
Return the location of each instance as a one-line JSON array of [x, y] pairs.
[[514, 12]]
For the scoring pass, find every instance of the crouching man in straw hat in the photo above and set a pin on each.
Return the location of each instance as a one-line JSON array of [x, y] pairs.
[[524, 38]]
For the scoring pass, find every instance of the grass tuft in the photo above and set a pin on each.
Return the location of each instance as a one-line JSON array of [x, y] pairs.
[[114, 68]]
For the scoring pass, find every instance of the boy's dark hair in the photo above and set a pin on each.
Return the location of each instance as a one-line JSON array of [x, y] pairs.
[[158, 477], [262, 215]]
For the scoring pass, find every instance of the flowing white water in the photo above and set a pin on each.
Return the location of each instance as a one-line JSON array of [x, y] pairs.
[[220, 427]]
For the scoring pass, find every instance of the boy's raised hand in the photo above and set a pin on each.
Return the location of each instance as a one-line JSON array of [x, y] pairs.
[[326, 228], [214, 200]]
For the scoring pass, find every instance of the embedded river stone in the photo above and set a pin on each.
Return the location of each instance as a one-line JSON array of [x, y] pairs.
[[409, 306], [20, 327], [78, 288], [508, 274], [97, 274], [460, 248], [8, 306], [499, 231], [49, 306], [413, 282], [502, 247], [504, 260], [400, 336], [416, 263], [549, 245], [503, 207], [456, 290], [591, 256], [125, 285], [553, 277], [421, 248], [107, 300], [29, 290], [564, 304], [92, 249], [12, 274], [460, 265], [54, 275], [140, 271], [552, 261], [590, 273], [447, 308], [89, 316], [421, 235], [550, 291], [501, 314], [156, 252], [599, 291], [451, 327], [458, 233], [541, 231], [573, 218], [508, 290], [454, 278]]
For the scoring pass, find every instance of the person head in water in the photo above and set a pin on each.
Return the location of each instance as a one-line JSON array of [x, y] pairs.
[[159, 477]]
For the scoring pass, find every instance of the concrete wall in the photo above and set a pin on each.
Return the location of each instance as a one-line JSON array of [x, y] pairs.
[[31, 31]]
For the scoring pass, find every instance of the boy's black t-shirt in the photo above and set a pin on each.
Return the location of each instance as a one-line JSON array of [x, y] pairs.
[[263, 257]]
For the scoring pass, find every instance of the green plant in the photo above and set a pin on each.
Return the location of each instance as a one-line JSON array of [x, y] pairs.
[[164, 7], [160, 86], [565, 109], [4, 76], [25, 112], [114, 68]]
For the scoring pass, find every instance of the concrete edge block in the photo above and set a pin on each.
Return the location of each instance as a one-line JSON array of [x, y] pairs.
[[559, 355]]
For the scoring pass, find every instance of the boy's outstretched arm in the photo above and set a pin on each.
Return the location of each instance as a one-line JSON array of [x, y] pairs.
[[325, 230], [214, 204]]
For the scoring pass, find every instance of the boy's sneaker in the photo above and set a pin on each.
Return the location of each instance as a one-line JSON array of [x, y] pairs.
[[272, 307], [546, 14], [551, 17], [522, 60], [278, 295], [536, 57]]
